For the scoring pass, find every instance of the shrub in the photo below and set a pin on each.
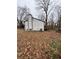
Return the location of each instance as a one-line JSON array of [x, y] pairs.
[[40, 30], [55, 49]]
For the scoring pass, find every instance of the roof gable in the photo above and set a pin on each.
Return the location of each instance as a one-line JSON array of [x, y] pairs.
[[33, 18]]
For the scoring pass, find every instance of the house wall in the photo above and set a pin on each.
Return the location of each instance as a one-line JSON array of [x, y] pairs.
[[37, 25], [30, 22], [34, 25], [26, 26]]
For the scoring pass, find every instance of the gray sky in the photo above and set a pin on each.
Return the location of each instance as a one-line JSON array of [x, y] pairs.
[[31, 4]]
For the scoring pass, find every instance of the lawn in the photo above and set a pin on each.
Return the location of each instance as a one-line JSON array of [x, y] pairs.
[[36, 45]]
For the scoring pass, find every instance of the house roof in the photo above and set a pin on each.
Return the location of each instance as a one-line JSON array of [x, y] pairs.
[[34, 18], [38, 19]]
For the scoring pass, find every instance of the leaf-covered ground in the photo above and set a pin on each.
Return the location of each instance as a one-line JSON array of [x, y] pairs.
[[35, 45]]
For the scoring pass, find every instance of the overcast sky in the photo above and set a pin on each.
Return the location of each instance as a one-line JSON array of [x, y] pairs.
[[31, 4]]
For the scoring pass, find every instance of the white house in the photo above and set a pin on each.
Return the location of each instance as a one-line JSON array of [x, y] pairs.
[[33, 24]]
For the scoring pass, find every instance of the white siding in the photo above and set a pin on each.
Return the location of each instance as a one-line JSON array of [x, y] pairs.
[[30, 25], [37, 25], [26, 26]]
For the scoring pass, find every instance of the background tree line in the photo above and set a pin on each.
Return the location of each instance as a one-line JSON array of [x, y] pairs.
[[22, 13], [48, 7]]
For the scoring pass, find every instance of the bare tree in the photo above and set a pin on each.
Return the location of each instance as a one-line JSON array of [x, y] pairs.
[[21, 12], [58, 8], [52, 20], [44, 5], [41, 16]]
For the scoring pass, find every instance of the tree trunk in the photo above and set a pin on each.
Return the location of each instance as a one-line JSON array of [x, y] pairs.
[[46, 22]]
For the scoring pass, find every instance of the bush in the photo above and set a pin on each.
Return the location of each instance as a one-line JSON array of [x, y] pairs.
[[55, 49], [21, 25], [40, 30]]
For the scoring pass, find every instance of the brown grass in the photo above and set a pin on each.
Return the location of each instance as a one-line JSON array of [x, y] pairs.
[[35, 45]]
